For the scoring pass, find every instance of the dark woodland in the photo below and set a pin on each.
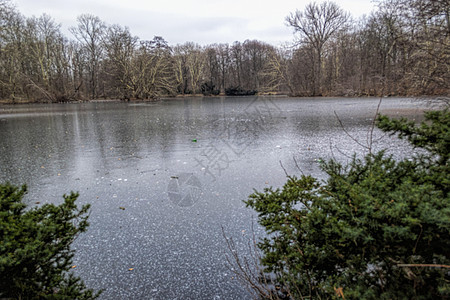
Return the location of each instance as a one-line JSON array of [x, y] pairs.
[[401, 49]]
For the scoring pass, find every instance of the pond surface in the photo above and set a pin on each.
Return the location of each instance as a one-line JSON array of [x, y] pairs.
[[164, 178]]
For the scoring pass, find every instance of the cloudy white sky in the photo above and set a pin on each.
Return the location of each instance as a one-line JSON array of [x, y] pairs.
[[179, 21]]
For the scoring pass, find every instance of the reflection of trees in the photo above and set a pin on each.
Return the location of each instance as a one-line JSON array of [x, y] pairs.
[[35, 144]]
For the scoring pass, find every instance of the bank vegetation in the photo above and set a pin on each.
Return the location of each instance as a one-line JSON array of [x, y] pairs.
[[402, 48]]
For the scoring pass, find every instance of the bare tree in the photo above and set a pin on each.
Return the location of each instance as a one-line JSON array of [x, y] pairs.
[[120, 48], [180, 54], [256, 57], [212, 71], [237, 60], [381, 45], [276, 72], [427, 26], [190, 66], [47, 68], [89, 32], [316, 25], [400, 49], [152, 74], [12, 49], [223, 57]]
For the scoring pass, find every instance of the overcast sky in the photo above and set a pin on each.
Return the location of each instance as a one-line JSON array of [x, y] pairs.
[[179, 21]]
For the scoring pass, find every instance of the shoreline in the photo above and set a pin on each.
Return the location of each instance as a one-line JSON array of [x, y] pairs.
[[418, 97]]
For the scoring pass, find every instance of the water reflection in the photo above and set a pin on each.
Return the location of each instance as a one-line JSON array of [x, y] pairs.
[[136, 164]]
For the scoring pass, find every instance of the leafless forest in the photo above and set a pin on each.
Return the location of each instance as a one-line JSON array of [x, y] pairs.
[[402, 48]]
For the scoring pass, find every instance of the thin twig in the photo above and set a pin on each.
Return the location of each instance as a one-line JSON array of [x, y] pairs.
[[285, 172], [296, 164], [249, 271], [370, 132], [372, 127], [339, 150], [347, 133]]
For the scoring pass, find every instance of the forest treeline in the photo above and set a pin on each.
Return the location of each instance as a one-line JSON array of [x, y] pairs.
[[402, 48]]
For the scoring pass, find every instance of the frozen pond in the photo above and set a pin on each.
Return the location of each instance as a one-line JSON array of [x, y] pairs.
[[163, 178]]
